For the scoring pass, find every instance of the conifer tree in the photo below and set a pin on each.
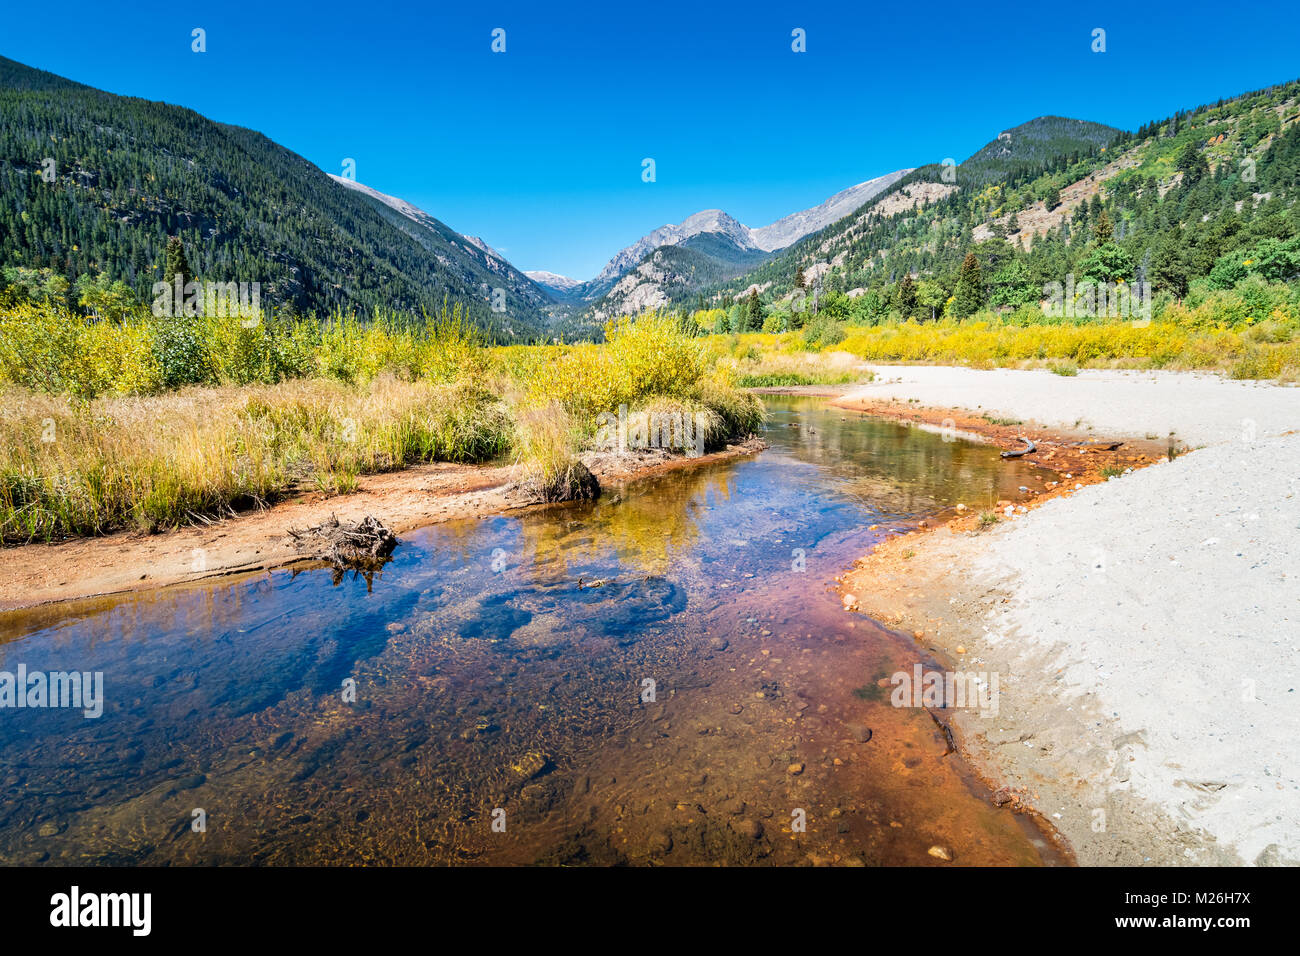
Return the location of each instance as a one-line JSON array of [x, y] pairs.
[[754, 311], [968, 297], [176, 262], [1102, 228], [907, 295]]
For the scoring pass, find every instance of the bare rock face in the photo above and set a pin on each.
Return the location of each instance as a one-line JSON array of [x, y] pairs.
[[792, 228]]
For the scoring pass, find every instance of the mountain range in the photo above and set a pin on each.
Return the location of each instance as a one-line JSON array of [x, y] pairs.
[[131, 172], [92, 182], [731, 232]]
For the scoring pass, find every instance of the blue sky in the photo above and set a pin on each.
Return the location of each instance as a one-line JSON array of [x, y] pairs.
[[539, 149]]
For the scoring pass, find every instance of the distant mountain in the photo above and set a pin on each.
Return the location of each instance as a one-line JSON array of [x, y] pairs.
[[765, 239], [129, 173], [708, 221], [560, 287], [795, 226], [439, 238], [672, 274]]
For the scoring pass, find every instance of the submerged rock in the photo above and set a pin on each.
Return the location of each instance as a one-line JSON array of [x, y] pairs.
[[530, 764], [752, 829], [860, 732]]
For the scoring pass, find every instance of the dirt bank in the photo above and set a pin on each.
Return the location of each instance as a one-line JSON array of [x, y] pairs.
[[1144, 628], [253, 541]]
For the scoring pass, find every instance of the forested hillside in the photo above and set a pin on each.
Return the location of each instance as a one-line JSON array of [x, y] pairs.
[[1203, 197], [95, 184]]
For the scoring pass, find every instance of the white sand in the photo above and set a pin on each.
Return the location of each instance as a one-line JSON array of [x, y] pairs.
[[1166, 602], [1200, 409]]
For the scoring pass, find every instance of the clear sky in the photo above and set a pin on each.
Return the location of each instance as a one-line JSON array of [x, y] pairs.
[[539, 149]]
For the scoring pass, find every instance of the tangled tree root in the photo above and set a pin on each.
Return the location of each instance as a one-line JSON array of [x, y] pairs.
[[361, 546]]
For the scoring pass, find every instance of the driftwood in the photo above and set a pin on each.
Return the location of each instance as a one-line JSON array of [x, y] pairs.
[[1029, 448], [363, 546], [1099, 445]]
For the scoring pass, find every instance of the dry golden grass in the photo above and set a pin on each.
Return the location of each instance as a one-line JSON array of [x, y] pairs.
[[78, 457], [69, 467], [547, 442]]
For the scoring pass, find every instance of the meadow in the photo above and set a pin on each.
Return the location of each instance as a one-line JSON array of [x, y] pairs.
[[149, 423], [153, 423]]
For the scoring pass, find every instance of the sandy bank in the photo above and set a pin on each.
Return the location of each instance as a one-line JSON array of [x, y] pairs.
[[1145, 629], [258, 540], [1200, 409]]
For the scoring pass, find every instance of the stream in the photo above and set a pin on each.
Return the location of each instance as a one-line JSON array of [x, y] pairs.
[[663, 677]]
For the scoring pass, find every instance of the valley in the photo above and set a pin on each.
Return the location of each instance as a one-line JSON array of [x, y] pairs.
[[339, 521]]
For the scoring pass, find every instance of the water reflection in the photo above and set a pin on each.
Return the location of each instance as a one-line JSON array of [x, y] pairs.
[[502, 663]]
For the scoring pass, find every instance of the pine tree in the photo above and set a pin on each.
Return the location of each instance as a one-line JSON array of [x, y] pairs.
[[1192, 163], [176, 262], [907, 295], [968, 297], [1102, 228]]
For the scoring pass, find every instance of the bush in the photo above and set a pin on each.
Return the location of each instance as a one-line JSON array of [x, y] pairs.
[[181, 350], [644, 357], [823, 331], [45, 348]]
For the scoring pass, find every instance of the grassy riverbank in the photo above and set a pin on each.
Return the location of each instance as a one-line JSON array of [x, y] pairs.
[[104, 426], [150, 422]]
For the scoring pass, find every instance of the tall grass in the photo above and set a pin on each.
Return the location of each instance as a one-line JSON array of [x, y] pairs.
[[92, 439], [81, 468], [547, 444]]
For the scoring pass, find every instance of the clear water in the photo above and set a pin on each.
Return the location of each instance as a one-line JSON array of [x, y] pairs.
[[495, 684]]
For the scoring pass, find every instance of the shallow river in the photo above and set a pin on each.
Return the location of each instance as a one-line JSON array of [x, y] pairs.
[[634, 681]]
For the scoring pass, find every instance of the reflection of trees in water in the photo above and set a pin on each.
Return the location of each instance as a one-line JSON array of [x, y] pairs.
[[240, 687], [656, 524], [896, 468]]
